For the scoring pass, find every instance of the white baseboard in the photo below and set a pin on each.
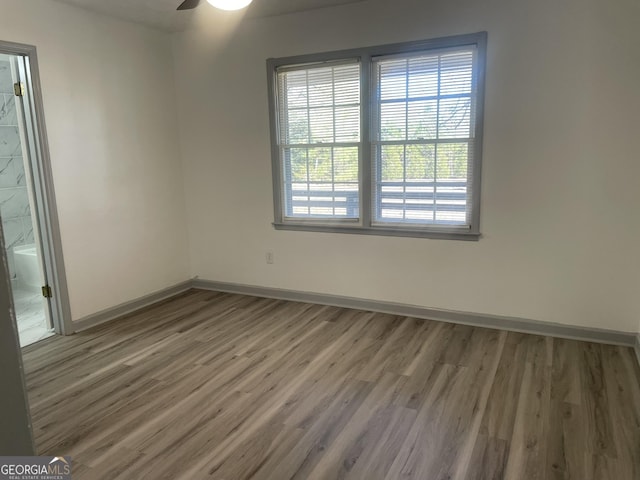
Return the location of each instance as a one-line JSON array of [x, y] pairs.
[[130, 306]]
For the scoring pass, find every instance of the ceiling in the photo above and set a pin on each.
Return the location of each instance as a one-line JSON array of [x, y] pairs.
[[162, 14]]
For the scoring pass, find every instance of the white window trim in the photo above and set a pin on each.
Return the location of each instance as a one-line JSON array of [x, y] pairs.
[[365, 226]]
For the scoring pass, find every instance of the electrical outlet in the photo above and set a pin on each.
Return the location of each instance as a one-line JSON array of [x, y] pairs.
[[269, 256]]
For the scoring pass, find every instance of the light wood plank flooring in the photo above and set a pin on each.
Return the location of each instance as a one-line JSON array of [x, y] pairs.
[[218, 386]]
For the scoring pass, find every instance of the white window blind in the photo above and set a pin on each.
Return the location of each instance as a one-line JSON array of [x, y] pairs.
[[423, 143], [319, 140], [382, 140]]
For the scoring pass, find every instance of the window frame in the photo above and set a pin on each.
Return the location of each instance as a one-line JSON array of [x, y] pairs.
[[364, 225]]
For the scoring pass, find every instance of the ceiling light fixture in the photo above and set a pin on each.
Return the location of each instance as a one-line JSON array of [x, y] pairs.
[[229, 4]]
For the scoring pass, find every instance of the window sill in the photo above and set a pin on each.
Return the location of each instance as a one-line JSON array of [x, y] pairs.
[[439, 234]]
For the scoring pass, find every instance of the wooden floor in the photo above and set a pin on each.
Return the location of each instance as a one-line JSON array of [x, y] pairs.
[[220, 386]]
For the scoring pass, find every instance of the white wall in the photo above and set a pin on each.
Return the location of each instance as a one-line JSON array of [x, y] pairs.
[[109, 100], [560, 183]]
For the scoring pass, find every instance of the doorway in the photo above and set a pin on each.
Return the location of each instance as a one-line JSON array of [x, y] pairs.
[[27, 204]]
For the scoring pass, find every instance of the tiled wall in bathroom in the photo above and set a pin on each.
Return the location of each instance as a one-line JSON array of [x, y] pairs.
[[14, 198]]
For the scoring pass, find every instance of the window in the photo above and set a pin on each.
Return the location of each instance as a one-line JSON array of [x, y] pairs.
[[384, 140], [319, 142]]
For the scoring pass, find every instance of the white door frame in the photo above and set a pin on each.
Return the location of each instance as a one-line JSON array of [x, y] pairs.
[[40, 161]]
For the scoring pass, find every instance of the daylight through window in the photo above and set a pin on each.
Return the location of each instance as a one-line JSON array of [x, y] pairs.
[[384, 140]]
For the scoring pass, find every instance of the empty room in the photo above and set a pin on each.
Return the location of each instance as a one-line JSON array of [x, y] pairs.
[[319, 239]]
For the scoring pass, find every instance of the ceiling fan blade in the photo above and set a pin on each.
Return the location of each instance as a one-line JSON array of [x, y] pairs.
[[189, 4]]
